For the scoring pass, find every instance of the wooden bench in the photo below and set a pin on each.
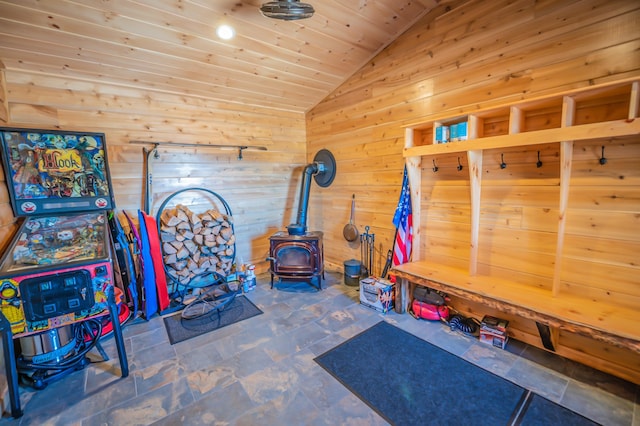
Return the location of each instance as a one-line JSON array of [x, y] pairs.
[[616, 325]]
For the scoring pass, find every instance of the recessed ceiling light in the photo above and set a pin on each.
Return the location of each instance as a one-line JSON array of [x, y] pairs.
[[225, 32]]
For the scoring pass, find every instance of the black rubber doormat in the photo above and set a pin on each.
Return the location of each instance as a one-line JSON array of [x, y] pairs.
[[180, 330], [409, 381]]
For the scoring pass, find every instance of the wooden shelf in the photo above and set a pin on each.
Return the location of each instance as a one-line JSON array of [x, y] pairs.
[[575, 133]]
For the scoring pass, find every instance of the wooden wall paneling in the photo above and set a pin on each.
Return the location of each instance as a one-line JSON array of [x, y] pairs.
[[608, 282], [602, 224], [519, 201], [516, 82], [445, 212], [597, 63], [32, 114], [82, 95]]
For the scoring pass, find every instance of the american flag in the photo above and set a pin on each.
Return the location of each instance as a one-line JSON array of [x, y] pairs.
[[402, 219]]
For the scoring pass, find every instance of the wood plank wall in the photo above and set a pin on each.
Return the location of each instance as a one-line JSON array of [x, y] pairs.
[[481, 54], [261, 189]]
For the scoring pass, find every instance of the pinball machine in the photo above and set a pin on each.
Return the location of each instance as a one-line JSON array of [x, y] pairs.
[[56, 275]]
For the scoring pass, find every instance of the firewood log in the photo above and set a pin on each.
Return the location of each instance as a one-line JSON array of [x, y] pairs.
[[168, 229], [191, 246], [183, 253], [183, 226], [167, 237], [180, 214], [168, 249], [226, 233]]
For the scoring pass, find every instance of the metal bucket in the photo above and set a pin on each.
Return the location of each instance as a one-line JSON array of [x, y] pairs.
[[51, 346], [352, 272]]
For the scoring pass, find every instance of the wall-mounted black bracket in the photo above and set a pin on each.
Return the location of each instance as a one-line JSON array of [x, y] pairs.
[[546, 336]]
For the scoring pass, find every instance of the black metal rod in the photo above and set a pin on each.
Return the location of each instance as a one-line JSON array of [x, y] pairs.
[[300, 227], [117, 333]]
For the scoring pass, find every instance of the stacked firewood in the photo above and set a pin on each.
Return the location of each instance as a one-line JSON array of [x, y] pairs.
[[194, 245]]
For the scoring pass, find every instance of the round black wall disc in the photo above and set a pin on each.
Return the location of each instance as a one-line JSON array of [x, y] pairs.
[[325, 178]]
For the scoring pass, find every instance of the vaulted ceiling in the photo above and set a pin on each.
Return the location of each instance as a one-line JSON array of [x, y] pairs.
[[171, 45]]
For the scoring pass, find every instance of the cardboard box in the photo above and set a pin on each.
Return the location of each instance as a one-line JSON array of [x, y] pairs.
[[493, 331], [499, 341], [377, 293], [494, 324]]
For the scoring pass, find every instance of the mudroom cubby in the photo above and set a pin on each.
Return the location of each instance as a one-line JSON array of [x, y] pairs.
[[536, 217]]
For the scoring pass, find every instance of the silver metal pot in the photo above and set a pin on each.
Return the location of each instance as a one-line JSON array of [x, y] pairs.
[[49, 346]]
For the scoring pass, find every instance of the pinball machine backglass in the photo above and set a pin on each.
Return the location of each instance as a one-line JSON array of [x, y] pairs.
[[58, 267]]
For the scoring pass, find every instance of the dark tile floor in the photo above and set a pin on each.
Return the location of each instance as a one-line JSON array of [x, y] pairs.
[[261, 371]]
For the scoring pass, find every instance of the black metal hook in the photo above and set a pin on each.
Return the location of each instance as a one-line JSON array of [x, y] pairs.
[[435, 168], [240, 149], [539, 163], [603, 160], [459, 165], [156, 154], [503, 165]]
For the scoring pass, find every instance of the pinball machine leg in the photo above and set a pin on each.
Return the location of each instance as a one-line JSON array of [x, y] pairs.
[[117, 334], [10, 366]]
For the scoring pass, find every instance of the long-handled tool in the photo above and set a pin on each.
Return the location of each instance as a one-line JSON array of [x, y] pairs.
[[367, 250], [387, 264], [364, 272], [148, 176], [350, 231]]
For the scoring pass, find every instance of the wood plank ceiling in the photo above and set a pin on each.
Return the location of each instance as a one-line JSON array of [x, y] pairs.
[[171, 45]]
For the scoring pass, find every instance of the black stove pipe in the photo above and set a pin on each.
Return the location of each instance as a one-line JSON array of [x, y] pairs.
[[300, 227]]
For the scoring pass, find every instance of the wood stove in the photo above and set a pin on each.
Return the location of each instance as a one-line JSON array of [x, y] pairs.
[[298, 254], [297, 257]]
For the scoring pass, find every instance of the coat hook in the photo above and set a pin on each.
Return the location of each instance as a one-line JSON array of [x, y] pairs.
[[603, 160], [459, 165], [503, 165], [435, 168], [240, 149], [154, 150], [539, 163]]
